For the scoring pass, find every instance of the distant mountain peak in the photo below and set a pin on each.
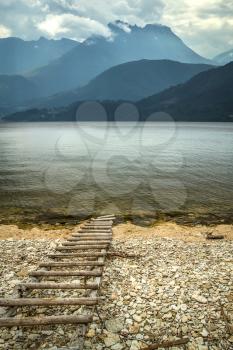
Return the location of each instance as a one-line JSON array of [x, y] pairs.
[[224, 57], [121, 26], [42, 38]]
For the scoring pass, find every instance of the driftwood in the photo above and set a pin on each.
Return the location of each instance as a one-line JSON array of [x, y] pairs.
[[211, 236], [168, 344]]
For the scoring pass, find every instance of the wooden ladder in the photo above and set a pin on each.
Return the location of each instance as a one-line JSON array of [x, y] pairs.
[[86, 252]]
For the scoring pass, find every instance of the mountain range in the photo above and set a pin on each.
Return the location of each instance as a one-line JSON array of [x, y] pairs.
[[128, 81], [18, 56], [97, 54], [149, 65], [208, 96]]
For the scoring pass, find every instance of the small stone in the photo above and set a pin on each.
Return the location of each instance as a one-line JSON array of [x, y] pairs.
[[135, 345], [111, 339], [183, 307], [134, 329], [137, 318], [114, 325], [231, 339], [117, 346], [199, 298], [90, 333], [204, 333]]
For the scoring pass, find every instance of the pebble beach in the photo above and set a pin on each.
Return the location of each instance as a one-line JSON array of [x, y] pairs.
[[168, 283]]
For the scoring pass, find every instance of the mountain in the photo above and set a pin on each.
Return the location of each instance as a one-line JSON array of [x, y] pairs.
[[206, 97], [15, 90], [224, 58], [127, 43], [18, 56], [129, 81]]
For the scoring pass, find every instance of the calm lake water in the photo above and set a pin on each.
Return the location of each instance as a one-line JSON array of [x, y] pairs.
[[80, 169]]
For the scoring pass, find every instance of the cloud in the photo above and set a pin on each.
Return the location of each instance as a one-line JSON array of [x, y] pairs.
[[204, 25], [4, 31], [71, 25]]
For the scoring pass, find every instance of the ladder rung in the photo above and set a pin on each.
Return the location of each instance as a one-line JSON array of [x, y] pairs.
[[82, 241], [71, 263], [47, 301], [103, 220], [80, 255], [94, 231], [48, 285], [49, 320], [85, 247], [91, 238], [92, 235], [96, 227], [42, 273]]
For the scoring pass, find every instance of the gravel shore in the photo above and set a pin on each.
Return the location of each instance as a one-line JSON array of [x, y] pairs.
[[178, 285]]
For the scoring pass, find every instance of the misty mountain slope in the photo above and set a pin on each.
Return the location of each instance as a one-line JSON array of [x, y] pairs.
[[224, 58], [15, 90], [130, 81], [95, 55], [18, 56], [206, 97]]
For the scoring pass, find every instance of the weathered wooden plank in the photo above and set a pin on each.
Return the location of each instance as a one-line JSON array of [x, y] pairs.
[[70, 264], [77, 255], [41, 321], [93, 228], [102, 220], [91, 244], [97, 227], [81, 241], [92, 234], [5, 302], [42, 273], [48, 285], [86, 247]]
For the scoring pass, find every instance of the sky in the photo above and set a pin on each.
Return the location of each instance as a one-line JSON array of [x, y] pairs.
[[204, 25]]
